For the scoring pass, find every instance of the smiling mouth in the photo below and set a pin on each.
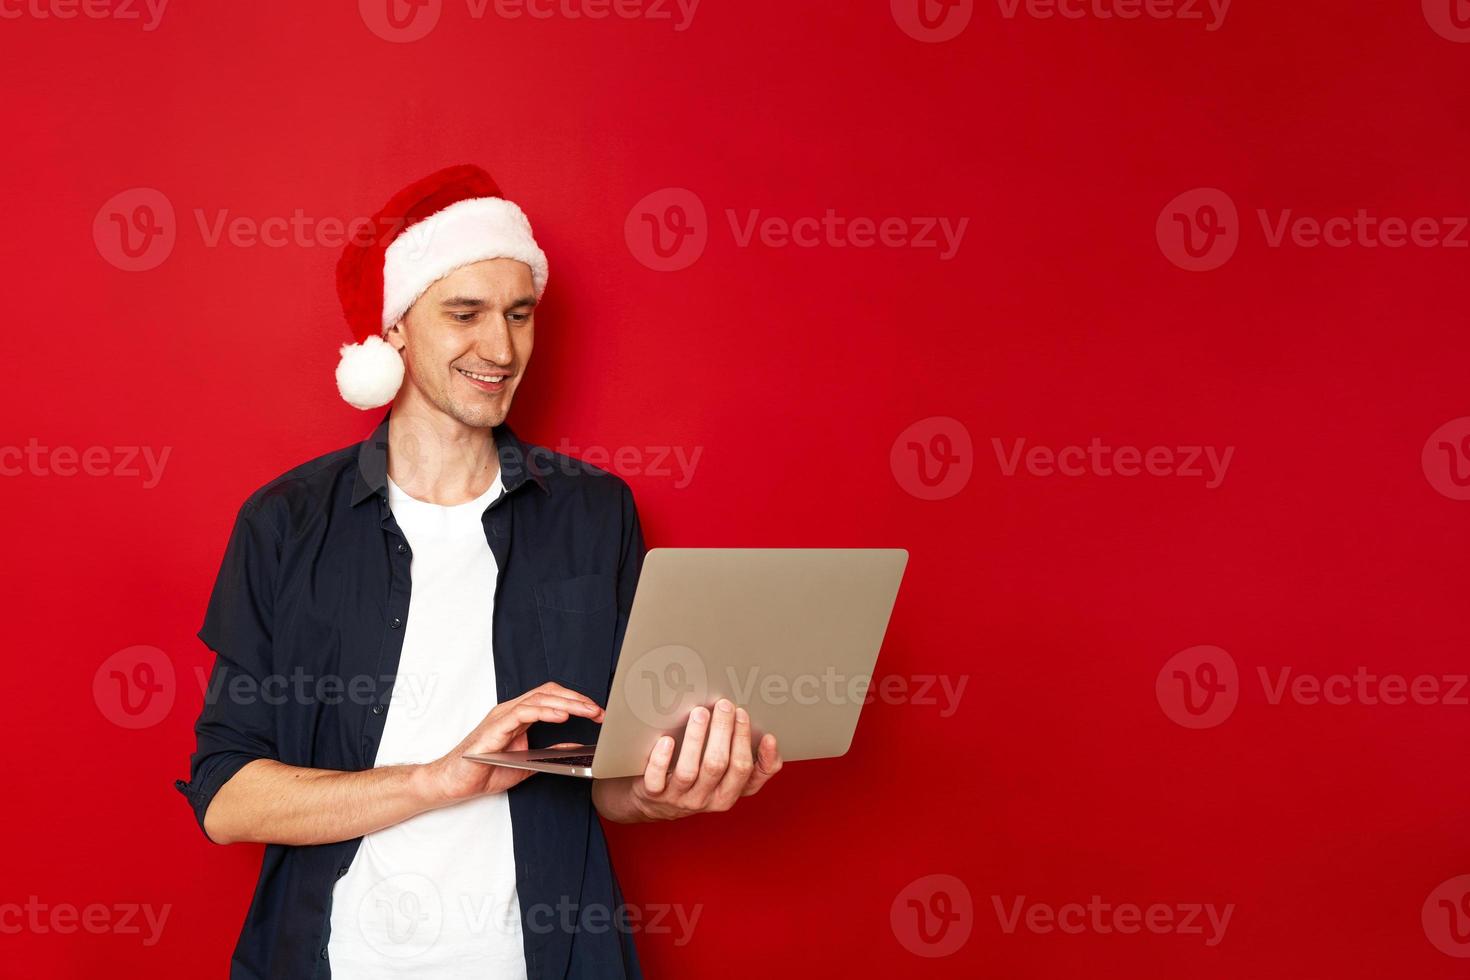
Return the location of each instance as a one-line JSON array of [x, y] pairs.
[[486, 378]]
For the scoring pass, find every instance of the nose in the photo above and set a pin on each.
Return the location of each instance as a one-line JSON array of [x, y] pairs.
[[492, 342]]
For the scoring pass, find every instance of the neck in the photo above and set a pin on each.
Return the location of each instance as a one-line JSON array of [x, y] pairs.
[[437, 458]]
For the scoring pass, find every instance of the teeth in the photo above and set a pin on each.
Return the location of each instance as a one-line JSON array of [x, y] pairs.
[[492, 378]]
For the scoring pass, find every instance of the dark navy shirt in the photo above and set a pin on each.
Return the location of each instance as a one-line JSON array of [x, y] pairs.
[[307, 620]]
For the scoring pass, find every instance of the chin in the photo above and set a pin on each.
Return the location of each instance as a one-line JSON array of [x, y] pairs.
[[481, 416]]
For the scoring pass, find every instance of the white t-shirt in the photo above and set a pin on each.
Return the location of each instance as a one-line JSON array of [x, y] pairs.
[[435, 896]]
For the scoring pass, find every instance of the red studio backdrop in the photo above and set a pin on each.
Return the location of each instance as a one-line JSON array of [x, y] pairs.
[[1139, 323]]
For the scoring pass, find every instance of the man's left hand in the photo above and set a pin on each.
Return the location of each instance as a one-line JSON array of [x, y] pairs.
[[716, 766]]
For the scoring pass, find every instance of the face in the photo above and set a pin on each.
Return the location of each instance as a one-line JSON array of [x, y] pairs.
[[466, 341]]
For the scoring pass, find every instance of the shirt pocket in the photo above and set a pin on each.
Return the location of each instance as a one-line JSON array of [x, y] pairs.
[[578, 618]]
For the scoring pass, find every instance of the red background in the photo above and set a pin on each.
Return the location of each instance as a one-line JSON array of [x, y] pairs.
[[793, 370]]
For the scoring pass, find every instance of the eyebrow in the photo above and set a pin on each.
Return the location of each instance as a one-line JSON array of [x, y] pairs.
[[475, 303]]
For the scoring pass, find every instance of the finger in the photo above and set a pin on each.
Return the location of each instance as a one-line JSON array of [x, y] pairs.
[[741, 765], [717, 747], [523, 716], [585, 709], [686, 772], [501, 734], [558, 690], [767, 764], [656, 773]]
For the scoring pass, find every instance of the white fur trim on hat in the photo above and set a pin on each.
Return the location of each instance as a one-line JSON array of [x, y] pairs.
[[369, 374], [467, 231]]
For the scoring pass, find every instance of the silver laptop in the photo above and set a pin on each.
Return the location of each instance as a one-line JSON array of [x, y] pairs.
[[790, 634]]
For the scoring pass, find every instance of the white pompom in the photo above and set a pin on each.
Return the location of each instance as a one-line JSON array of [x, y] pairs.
[[369, 374]]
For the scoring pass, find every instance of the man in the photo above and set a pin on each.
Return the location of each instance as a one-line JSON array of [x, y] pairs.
[[440, 588]]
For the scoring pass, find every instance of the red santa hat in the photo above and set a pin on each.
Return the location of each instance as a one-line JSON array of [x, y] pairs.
[[430, 228]]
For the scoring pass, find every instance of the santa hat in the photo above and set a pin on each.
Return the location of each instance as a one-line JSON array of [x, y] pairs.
[[430, 228]]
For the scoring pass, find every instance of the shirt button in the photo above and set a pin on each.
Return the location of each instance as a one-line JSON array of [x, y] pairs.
[[403, 549], [377, 710], [324, 952], [341, 871], [396, 622]]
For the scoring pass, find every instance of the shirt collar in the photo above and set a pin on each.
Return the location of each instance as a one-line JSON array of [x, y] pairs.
[[517, 462]]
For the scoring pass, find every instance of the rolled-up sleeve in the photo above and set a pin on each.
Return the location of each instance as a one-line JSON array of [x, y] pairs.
[[236, 725]]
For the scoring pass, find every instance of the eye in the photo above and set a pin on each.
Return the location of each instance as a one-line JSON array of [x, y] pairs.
[[518, 317], [463, 317]]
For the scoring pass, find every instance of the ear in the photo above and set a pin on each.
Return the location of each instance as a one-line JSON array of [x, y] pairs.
[[394, 335]]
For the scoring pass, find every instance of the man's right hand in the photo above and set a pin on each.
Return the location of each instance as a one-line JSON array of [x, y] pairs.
[[454, 778]]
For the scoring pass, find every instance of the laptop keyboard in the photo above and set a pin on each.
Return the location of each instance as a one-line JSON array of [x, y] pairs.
[[567, 760]]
